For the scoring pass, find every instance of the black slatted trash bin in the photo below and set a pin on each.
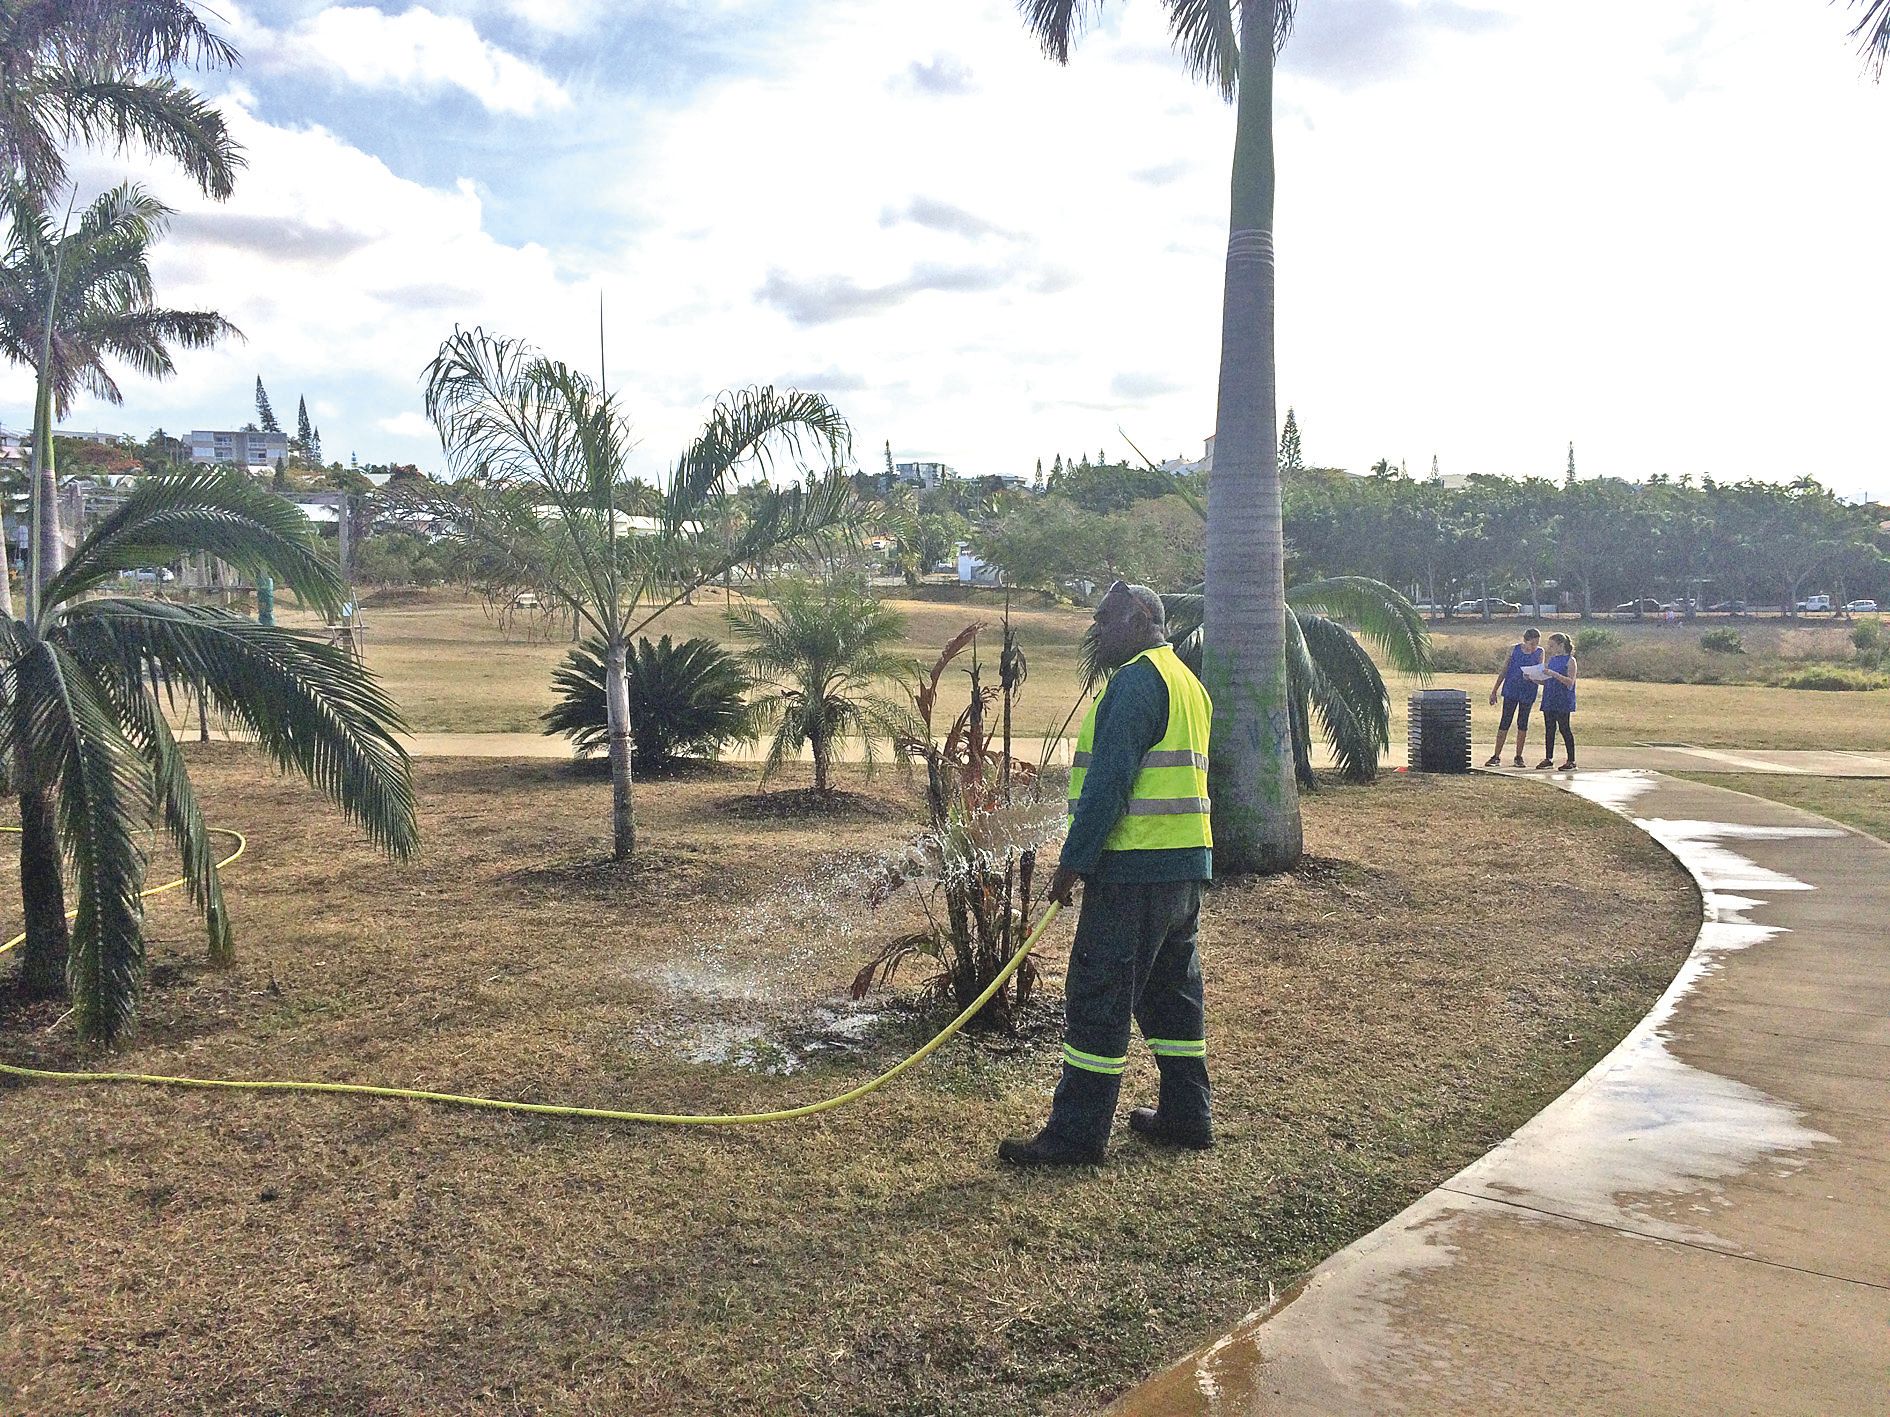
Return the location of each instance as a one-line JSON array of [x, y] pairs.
[[1439, 731]]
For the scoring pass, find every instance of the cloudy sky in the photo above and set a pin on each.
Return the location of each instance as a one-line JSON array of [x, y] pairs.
[[1652, 227]]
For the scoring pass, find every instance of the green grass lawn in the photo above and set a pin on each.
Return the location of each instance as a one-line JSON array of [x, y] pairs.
[[453, 667]]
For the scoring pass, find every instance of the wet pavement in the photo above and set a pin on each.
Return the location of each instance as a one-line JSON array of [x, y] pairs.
[[1701, 1224]]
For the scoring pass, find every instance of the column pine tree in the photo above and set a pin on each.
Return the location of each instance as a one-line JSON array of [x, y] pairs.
[[1292, 459]]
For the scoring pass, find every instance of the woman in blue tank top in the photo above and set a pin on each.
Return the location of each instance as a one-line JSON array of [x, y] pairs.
[[1519, 694], [1558, 699]]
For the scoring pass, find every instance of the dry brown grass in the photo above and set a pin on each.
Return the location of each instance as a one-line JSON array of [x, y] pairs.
[[453, 668], [1377, 1019]]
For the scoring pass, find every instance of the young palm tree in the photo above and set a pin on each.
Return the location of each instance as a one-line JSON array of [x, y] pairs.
[[99, 72], [541, 449], [82, 698], [826, 648], [71, 299], [1232, 43]]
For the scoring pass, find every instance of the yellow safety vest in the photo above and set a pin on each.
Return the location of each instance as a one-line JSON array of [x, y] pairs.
[[1168, 803]]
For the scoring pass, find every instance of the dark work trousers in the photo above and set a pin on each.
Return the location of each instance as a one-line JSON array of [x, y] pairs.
[[1135, 955]]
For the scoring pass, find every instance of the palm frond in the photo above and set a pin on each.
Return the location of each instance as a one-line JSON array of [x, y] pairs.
[[109, 108], [142, 720], [1348, 694], [1058, 24], [104, 801], [202, 509], [1379, 613], [1872, 34], [747, 428], [307, 704], [1204, 34]]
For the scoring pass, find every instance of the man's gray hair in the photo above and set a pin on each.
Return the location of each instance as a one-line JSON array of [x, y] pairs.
[[1150, 602]]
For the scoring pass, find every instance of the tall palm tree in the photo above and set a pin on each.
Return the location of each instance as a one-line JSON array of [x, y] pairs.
[[1231, 44], [827, 649], [69, 300], [1873, 34], [84, 683], [540, 450], [99, 73]]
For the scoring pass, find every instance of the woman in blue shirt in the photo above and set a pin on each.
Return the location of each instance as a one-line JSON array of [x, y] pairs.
[[1558, 699], [1519, 695]]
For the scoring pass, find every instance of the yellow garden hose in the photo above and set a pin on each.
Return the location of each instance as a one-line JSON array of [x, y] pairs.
[[546, 1109]]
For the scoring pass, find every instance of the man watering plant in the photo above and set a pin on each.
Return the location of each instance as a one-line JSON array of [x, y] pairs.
[[1140, 843]]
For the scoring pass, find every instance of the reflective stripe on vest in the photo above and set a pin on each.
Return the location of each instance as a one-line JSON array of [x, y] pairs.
[[1168, 802]]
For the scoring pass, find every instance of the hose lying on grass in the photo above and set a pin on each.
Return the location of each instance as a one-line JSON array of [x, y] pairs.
[[542, 1109]]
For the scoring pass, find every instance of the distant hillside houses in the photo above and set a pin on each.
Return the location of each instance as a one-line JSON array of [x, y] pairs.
[[924, 474]]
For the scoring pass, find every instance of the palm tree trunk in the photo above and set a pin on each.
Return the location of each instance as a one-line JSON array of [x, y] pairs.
[[1256, 800], [823, 752], [6, 580], [43, 966], [51, 547], [623, 824]]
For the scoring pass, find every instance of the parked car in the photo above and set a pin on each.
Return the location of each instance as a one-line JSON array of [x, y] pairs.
[[525, 600], [1815, 603], [1728, 607], [1645, 606], [1860, 607], [149, 575], [1498, 606]]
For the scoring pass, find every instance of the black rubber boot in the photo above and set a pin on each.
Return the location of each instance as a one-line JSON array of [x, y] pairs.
[[1147, 1122], [1046, 1150]]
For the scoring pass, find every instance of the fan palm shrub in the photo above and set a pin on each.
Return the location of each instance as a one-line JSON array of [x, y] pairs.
[[687, 700], [826, 650], [537, 503], [84, 684]]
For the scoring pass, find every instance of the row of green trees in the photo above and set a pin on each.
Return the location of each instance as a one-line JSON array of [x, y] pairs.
[[1599, 541]]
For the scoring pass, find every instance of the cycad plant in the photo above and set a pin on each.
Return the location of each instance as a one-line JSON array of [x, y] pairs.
[[85, 680], [1331, 675], [686, 700], [537, 505], [827, 650]]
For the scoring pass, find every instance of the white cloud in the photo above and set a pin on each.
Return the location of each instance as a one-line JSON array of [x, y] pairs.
[[1514, 235], [418, 50], [406, 425]]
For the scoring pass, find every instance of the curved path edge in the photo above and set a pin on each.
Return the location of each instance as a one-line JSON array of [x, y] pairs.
[[1700, 1223]]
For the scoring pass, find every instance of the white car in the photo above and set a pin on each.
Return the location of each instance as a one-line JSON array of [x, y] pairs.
[[1861, 607]]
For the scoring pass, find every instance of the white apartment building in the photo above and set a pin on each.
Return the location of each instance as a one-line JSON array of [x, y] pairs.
[[924, 474], [244, 447]]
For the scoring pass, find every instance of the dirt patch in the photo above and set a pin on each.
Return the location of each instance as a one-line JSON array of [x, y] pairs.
[[1456, 953]]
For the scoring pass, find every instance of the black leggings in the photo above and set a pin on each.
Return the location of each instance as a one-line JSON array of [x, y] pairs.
[[1551, 720], [1513, 711]]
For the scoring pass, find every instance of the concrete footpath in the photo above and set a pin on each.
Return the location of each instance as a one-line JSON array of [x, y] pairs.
[[1661, 757], [1701, 1224]]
